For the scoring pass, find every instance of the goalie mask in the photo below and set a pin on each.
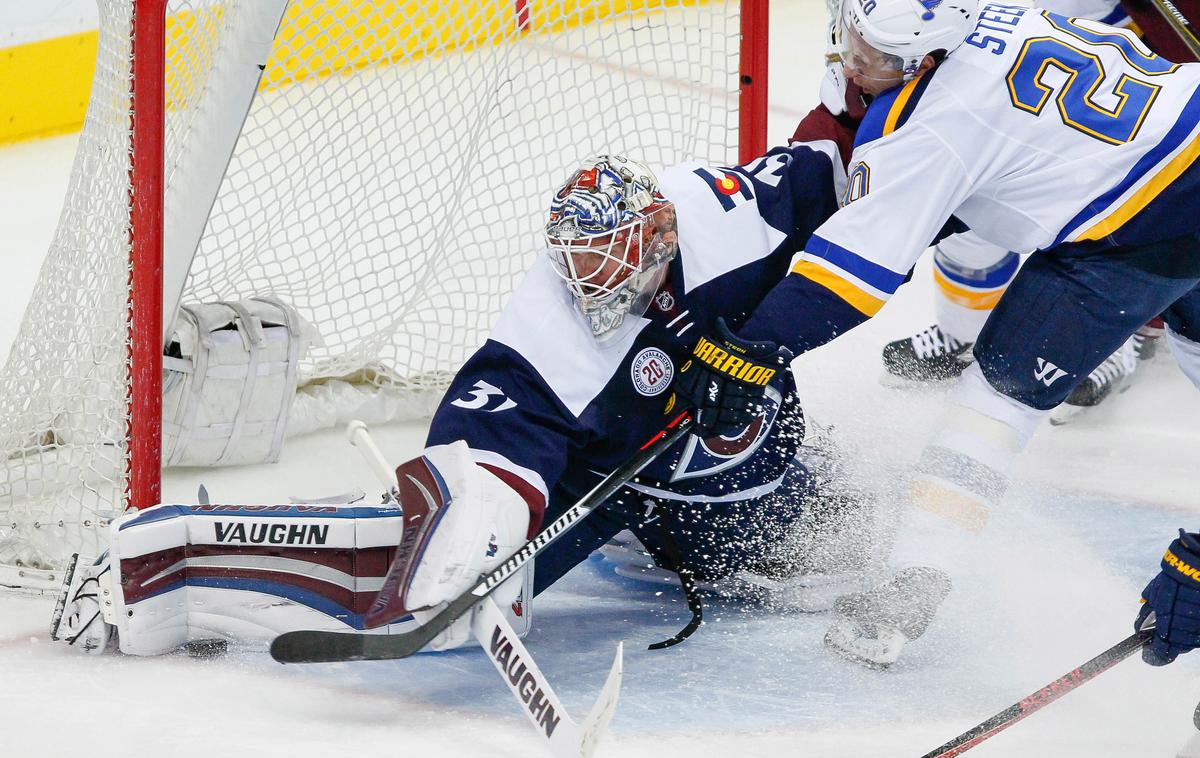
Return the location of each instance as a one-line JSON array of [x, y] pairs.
[[611, 235]]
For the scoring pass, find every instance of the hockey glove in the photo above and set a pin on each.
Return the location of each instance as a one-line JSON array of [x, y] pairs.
[[726, 378], [1173, 597]]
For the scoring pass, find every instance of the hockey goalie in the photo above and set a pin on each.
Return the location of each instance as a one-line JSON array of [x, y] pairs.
[[593, 354]]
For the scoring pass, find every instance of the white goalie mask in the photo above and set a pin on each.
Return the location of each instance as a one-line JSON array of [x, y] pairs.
[[900, 33], [610, 235]]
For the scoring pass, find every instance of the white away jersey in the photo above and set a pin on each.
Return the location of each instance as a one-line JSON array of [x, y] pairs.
[[1038, 130]]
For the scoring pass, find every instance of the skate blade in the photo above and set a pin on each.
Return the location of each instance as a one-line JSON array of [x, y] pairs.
[[1065, 414]]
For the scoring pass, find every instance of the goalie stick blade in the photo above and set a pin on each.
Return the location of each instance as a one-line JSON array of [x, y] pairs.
[[334, 647], [318, 647], [595, 725]]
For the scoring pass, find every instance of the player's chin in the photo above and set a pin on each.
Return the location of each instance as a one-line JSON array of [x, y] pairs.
[[875, 87]]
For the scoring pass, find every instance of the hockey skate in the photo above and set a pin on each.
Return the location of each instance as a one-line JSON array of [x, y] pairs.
[[873, 627], [1109, 378], [930, 355], [1145, 339]]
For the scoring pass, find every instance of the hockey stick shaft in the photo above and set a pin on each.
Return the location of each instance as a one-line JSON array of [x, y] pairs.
[[1036, 701], [323, 647], [360, 437], [1179, 22]]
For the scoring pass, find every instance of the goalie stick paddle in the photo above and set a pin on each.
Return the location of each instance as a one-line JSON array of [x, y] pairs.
[[1043, 697], [565, 737], [330, 647]]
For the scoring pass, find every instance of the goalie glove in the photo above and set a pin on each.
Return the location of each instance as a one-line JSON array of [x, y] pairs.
[[726, 379], [78, 614], [461, 521]]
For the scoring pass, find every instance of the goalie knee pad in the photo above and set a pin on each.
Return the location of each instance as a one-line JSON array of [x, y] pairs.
[[464, 522], [482, 521]]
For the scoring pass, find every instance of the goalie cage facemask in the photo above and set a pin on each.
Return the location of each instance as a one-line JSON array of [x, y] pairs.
[[610, 235]]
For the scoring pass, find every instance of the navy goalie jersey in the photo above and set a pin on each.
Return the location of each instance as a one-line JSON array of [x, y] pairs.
[[543, 402]]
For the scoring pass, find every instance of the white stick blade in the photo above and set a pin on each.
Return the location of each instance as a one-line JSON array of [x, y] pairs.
[[526, 682], [595, 725]]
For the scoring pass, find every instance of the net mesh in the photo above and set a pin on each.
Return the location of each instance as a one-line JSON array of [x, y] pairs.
[[389, 182]]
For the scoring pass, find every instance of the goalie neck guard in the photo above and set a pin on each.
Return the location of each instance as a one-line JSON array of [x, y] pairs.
[[610, 235]]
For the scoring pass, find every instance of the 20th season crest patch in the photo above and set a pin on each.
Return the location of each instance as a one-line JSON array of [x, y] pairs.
[[651, 372]]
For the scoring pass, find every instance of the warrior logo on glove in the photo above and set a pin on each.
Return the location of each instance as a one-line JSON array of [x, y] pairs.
[[740, 368], [726, 379]]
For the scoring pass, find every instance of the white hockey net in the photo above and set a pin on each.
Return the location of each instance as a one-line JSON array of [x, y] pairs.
[[389, 182]]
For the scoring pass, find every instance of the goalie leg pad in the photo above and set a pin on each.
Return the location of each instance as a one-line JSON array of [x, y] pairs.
[[247, 573]]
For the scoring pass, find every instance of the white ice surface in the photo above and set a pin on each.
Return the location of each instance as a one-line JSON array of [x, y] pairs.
[[1055, 582]]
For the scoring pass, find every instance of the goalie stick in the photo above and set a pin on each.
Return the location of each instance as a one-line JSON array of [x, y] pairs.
[[1043, 697], [520, 673], [564, 737], [330, 647]]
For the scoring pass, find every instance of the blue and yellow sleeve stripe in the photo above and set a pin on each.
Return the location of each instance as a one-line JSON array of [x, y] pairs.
[[864, 285]]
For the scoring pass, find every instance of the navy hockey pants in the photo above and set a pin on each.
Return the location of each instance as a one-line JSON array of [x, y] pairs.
[[1072, 306]]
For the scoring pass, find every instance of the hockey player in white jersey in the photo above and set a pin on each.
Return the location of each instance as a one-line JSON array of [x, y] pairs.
[[970, 274], [1038, 132], [575, 377]]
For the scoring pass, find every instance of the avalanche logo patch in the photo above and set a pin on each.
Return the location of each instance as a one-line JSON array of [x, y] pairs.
[[651, 372], [731, 190], [705, 457]]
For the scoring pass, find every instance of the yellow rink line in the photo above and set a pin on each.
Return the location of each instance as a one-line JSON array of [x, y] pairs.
[[44, 85]]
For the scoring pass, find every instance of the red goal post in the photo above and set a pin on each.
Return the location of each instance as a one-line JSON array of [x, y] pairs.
[[215, 145]]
